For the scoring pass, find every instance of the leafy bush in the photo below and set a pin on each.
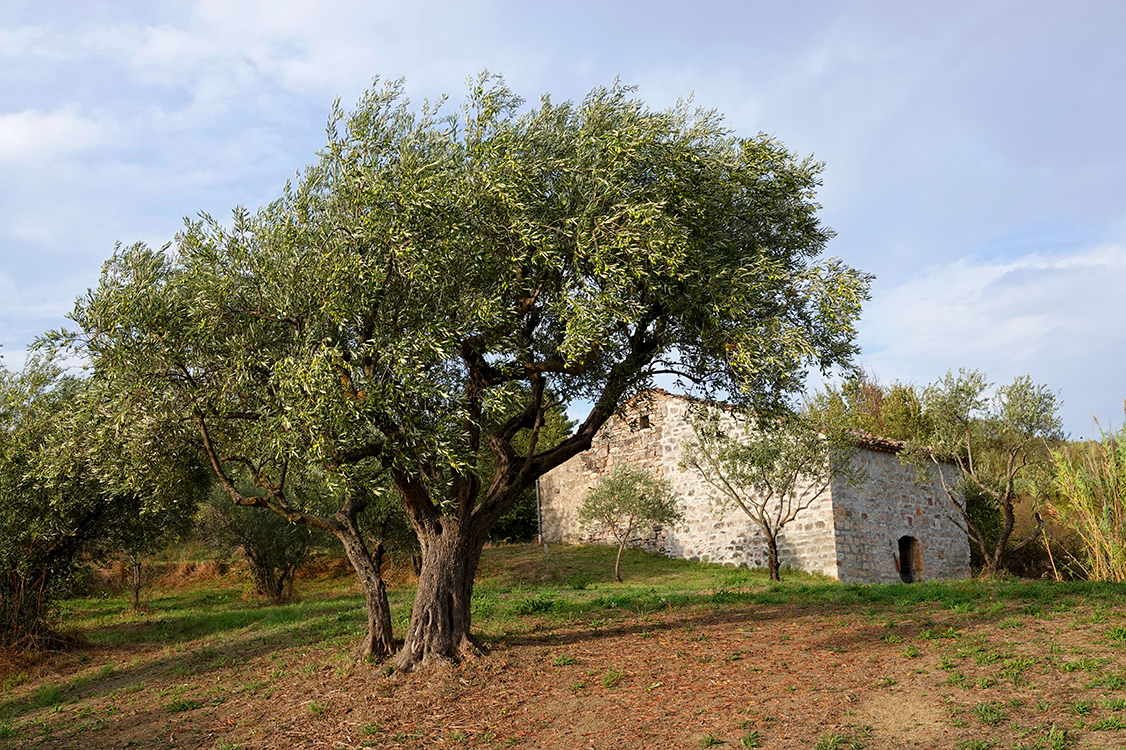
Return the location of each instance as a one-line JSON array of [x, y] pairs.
[[275, 548]]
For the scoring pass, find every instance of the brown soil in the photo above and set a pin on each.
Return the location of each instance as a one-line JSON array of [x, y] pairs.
[[682, 679]]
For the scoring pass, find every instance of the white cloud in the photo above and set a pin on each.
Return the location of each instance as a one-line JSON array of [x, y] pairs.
[[32, 42], [34, 135], [1059, 318]]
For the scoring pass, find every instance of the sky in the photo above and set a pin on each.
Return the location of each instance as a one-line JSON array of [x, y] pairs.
[[974, 152]]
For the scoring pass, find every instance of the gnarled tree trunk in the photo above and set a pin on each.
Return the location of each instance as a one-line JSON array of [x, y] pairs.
[[440, 623]]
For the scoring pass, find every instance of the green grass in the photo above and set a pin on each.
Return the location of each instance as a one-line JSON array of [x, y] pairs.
[[1059, 738], [511, 592], [183, 704], [1081, 707], [989, 713], [1085, 664], [831, 741], [1014, 669], [47, 695], [852, 740], [1109, 724], [215, 629], [612, 678], [751, 739]]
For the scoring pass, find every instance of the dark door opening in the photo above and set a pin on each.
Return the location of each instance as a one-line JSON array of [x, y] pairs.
[[910, 559]]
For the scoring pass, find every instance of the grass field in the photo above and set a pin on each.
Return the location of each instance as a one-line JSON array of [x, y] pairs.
[[681, 655]]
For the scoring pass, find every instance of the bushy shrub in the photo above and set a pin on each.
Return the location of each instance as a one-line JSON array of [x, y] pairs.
[[274, 548]]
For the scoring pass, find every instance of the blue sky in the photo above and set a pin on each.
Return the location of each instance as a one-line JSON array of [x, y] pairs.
[[974, 151]]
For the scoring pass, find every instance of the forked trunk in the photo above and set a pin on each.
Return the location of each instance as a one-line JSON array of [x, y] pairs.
[[440, 618], [378, 641], [618, 563], [991, 563]]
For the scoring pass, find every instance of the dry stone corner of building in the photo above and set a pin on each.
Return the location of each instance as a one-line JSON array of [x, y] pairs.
[[883, 530]]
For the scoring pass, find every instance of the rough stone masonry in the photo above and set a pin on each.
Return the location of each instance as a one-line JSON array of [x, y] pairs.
[[882, 530]]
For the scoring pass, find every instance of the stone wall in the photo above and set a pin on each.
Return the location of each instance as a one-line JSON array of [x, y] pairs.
[[871, 517], [849, 533], [637, 441], [722, 533]]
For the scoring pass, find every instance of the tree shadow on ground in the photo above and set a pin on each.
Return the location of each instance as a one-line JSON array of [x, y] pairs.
[[231, 648]]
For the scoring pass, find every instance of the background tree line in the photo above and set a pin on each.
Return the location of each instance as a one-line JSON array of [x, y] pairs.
[[1034, 502]]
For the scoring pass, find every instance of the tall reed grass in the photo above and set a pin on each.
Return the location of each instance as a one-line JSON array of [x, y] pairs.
[[1091, 479]]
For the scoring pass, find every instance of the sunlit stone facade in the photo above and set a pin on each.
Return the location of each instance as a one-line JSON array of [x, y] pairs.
[[855, 533]]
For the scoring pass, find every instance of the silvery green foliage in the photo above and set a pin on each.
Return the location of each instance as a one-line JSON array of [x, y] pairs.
[[1000, 438], [627, 501], [430, 263], [438, 280], [54, 509]]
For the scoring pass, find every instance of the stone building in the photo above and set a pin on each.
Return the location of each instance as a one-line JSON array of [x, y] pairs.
[[881, 530]]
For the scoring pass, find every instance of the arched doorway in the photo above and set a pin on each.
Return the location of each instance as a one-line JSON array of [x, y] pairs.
[[910, 559]]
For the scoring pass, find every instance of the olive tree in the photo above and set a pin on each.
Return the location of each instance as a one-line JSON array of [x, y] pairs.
[[433, 271], [140, 529], [627, 500], [1000, 439], [43, 527], [274, 548], [771, 468], [55, 510]]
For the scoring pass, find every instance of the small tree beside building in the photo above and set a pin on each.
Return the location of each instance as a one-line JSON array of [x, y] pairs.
[[771, 469], [627, 501], [1002, 445]]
